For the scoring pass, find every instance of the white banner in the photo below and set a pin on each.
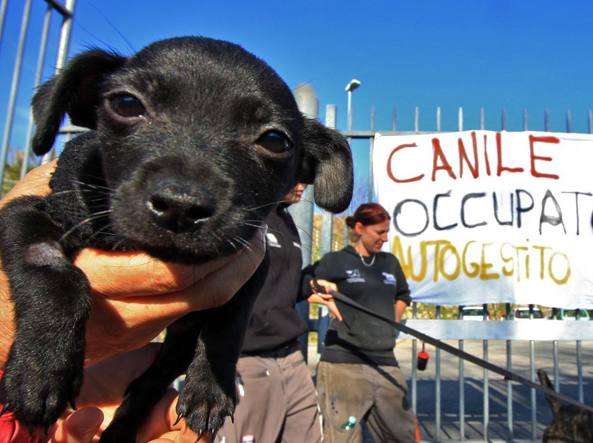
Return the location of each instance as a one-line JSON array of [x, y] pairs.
[[490, 217]]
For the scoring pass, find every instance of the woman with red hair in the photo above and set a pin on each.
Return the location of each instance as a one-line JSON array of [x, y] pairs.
[[358, 377]]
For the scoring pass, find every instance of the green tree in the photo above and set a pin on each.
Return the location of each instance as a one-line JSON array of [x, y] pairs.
[[12, 170]]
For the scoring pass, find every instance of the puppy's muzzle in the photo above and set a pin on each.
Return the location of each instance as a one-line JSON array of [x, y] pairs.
[[180, 206]]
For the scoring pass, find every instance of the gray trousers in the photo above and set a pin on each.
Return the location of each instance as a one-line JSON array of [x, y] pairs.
[[277, 402], [376, 394]]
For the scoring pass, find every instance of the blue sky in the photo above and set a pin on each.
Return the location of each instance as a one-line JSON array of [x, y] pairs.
[[498, 54]]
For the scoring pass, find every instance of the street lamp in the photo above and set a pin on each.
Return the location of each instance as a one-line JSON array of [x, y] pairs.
[[351, 86]]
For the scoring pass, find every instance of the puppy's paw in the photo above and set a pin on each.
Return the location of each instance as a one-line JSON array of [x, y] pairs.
[[39, 383], [205, 404]]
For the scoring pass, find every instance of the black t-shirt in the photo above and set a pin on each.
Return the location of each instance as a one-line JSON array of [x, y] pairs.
[[274, 321], [377, 286]]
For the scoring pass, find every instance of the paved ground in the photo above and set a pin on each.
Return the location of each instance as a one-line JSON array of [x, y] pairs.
[[497, 426]]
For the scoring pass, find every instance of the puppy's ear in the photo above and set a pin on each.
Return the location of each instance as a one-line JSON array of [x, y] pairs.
[[327, 163], [75, 91]]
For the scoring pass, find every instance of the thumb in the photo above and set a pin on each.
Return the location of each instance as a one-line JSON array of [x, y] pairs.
[[80, 427], [333, 308]]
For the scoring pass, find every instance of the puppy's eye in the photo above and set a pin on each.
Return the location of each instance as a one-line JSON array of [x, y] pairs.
[[126, 105], [274, 141]]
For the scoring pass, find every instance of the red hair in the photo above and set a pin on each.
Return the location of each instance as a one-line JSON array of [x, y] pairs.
[[368, 214]]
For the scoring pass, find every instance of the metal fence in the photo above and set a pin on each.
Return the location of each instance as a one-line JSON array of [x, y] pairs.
[[454, 401], [15, 74]]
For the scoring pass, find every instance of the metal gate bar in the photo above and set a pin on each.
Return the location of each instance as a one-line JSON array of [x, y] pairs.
[[66, 12]]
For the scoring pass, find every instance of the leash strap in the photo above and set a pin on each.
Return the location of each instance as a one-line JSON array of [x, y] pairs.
[[508, 375]]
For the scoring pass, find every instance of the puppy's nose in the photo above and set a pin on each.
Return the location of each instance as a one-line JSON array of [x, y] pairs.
[[180, 210]]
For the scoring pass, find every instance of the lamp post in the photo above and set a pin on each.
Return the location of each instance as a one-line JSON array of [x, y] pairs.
[[351, 86]]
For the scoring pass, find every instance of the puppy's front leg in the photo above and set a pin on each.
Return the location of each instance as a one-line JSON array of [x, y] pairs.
[[144, 392], [209, 394], [51, 301]]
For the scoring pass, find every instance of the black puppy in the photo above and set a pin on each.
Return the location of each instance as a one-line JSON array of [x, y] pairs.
[[192, 143]]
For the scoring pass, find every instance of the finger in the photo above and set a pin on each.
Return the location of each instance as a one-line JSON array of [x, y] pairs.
[[130, 322], [219, 287], [335, 311], [329, 287], [163, 420], [141, 318], [80, 427], [184, 433], [316, 286], [124, 274], [164, 426], [105, 382], [179, 437], [188, 436], [118, 326], [325, 287]]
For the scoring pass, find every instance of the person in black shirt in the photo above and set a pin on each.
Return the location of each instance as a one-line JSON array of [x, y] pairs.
[[277, 397], [358, 377]]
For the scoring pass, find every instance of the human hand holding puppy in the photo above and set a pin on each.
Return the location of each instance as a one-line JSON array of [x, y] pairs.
[[135, 296], [101, 394]]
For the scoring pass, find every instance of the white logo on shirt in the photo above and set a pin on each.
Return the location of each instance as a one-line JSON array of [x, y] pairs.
[[354, 276], [388, 279], [296, 245]]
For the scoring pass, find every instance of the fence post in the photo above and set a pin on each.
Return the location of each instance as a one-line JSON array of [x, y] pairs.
[[438, 119], [482, 119], [65, 31], [568, 121], [546, 120], [302, 212], [38, 74], [67, 12], [16, 74], [3, 7]]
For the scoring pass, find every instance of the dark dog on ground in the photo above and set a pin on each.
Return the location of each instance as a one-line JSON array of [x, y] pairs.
[[570, 424], [192, 141]]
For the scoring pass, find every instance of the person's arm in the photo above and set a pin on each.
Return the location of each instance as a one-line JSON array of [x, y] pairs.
[[400, 307], [123, 323], [318, 290]]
